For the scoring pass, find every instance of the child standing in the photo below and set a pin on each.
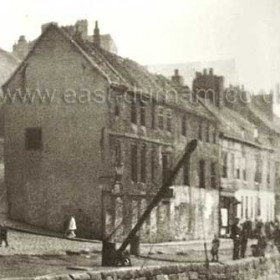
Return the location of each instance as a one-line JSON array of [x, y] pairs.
[[215, 249]]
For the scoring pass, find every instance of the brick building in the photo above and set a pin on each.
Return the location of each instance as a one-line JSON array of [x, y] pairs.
[[101, 146]]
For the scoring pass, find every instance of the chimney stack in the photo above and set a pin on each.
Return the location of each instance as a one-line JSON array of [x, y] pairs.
[[211, 71], [177, 79], [204, 72], [96, 35]]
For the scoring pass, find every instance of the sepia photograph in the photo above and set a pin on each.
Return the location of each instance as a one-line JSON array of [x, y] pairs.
[[140, 140]]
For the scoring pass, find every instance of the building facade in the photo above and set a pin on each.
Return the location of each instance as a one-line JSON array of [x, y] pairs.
[[248, 156], [102, 144]]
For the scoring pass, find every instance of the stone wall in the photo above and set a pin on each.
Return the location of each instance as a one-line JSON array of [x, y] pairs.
[[245, 269]]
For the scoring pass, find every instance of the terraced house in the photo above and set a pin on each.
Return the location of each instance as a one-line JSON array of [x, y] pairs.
[[103, 144], [249, 151]]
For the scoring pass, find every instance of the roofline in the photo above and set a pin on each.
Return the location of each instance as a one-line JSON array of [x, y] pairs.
[[23, 63]]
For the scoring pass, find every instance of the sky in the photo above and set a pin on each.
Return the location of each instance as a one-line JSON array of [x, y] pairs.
[[167, 31]]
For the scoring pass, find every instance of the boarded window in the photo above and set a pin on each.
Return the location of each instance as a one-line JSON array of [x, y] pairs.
[[33, 138]]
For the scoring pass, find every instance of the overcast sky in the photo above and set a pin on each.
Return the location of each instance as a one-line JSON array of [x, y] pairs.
[[167, 31]]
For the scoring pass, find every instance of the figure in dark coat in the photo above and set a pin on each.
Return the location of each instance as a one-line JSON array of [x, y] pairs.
[[244, 236], [235, 235]]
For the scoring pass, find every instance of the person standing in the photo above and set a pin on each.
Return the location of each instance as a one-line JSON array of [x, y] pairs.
[[244, 236], [235, 235], [72, 227]]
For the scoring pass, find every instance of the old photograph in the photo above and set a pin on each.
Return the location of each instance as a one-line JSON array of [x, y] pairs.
[[140, 140]]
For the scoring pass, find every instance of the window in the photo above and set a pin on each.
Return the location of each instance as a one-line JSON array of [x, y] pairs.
[[153, 113], [33, 138], [184, 125], [153, 163], [117, 153], [202, 174], [232, 166], [213, 175], [258, 170], [214, 137], [134, 174], [133, 111], [142, 113], [143, 163], [165, 166], [160, 119], [169, 121], [117, 106], [238, 168], [225, 165], [200, 131], [244, 166], [207, 139]]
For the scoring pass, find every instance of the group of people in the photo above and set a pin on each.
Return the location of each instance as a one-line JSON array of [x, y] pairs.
[[242, 232]]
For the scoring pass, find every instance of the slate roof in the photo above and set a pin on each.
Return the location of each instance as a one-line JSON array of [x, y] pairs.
[[124, 71]]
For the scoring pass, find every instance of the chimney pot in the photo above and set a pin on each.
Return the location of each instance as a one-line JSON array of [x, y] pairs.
[[204, 72], [211, 71]]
